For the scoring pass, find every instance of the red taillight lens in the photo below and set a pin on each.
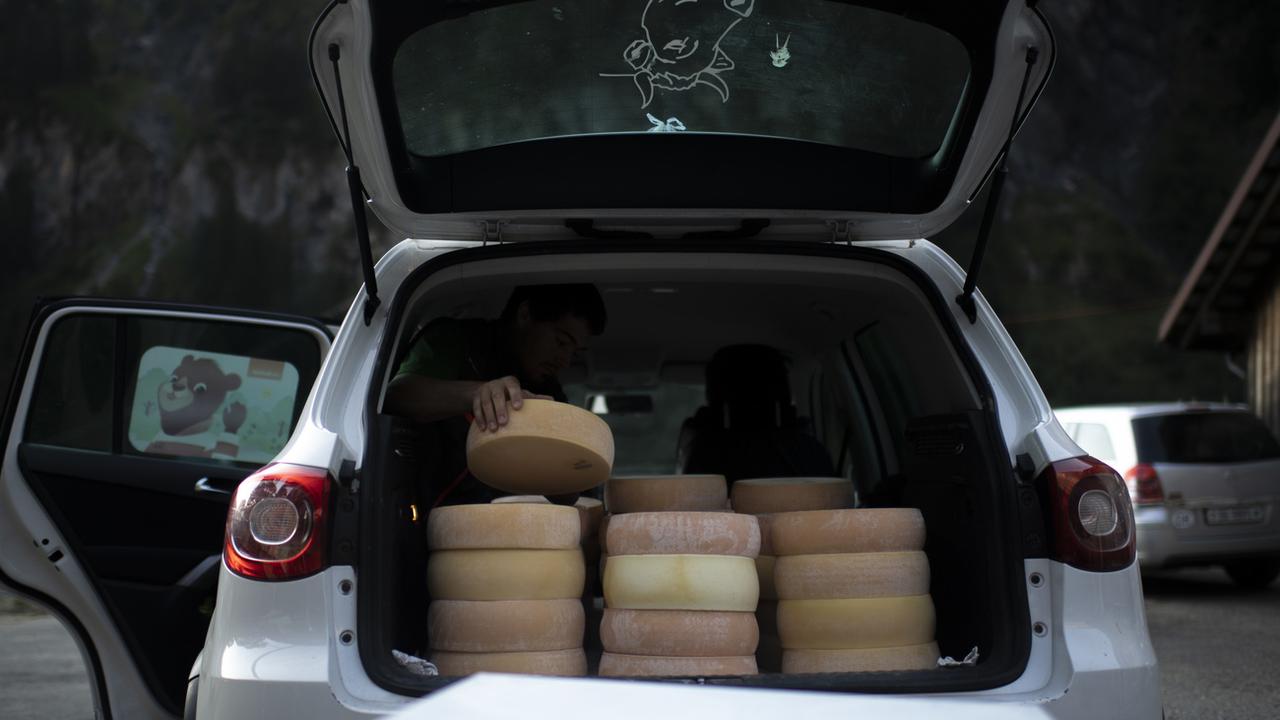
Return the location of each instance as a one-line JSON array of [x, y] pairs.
[[1144, 485], [276, 524], [1091, 515]]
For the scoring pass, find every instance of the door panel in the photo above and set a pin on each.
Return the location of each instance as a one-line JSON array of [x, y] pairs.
[[131, 427]]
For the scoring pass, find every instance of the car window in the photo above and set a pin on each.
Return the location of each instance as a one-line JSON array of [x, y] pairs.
[[1095, 440], [645, 422], [1208, 437], [810, 70], [191, 388]]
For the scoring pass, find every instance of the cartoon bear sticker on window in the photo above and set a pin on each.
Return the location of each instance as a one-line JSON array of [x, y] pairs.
[[211, 405]]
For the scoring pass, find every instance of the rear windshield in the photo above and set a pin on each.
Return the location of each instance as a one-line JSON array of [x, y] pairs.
[[1219, 437], [810, 70]]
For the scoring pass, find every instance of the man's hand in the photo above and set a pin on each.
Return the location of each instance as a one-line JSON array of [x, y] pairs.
[[490, 400]]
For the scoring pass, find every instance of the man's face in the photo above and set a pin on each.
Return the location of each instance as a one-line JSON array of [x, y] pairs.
[[547, 347]]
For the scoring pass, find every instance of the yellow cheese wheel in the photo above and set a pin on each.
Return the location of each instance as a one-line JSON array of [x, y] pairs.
[[570, 663], [591, 513], [764, 571], [664, 493], [775, 495], [851, 575], [854, 624], [910, 657], [681, 582], [683, 633], [506, 574], [619, 665], [505, 625], [848, 531], [684, 533], [546, 448], [503, 526]]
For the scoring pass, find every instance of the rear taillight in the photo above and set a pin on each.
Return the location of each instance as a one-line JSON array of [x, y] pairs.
[[276, 524], [1091, 515], [1144, 485]]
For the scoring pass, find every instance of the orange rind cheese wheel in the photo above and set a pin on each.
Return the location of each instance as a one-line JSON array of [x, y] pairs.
[[568, 663], [684, 533], [505, 625], [526, 526], [683, 633], [816, 532], [853, 624], [789, 494], [851, 575], [546, 448], [619, 665], [909, 657], [666, 493]]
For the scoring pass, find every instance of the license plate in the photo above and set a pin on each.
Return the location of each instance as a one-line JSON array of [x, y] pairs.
[[1235, 515]]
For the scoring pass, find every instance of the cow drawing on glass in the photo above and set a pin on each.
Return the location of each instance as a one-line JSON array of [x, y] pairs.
[[188, 402], [680, 49]]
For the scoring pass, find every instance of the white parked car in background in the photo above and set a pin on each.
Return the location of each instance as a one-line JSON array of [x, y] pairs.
[[785, 203], [1203, 479]]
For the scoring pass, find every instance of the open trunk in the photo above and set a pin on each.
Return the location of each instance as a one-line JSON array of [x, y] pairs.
[[881, 381]]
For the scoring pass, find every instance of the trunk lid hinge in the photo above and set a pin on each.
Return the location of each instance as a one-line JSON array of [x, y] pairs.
[[840, 232], [491, 232]]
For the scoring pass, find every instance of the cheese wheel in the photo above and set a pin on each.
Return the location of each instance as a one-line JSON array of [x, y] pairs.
[[910, 657], [664, 493], [571, 663], [764, 571], [619, 665], [505, 625], [766, 533], [684, 533], [503, 526], [591, 514], [855, 624], [851, 575], [546, 448], [683, 633], [848, 531], [506, 574], [775, 495], [681, 582], [521, 499]]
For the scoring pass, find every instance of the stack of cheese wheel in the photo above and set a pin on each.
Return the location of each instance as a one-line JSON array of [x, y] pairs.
[[680, 591], [853, 589], [763, 497], [506, 583], [662, 493]]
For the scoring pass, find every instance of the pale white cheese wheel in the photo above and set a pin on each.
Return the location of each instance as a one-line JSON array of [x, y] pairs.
[[683, 633], [515, 526], [684, 533], [546, 448], [789, 494], [665, 493], [851, 575], [506, 574], [681, 582], [847, 531], [764, 571], [910, 657], [505, 625], [850, 624], [568, 663], [619, 665]]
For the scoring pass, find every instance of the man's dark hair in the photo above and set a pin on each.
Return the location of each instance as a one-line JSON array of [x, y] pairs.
[[548, 303]]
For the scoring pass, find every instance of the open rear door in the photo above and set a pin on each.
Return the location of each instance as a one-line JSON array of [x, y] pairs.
[[128, 425]]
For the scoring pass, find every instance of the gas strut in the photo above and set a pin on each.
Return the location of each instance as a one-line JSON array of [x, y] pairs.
[[371, 301]]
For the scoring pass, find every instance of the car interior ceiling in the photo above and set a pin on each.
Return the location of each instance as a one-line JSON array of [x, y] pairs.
[[794, 379]]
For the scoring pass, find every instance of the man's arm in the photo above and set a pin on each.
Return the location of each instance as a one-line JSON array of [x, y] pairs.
[[428, 399]]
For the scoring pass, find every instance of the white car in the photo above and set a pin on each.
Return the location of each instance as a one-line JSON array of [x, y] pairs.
[[724, 173], [1202, 480]]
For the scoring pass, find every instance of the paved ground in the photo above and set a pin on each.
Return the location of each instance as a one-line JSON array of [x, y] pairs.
[[41, 674], [1218, 646], [1218, 649]]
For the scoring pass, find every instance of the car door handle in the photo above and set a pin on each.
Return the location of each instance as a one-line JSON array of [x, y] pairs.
[[205, 486]]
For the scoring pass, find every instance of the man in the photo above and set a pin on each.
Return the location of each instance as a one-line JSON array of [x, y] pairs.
[[457, 371]]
